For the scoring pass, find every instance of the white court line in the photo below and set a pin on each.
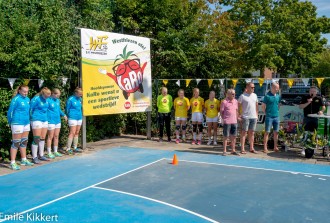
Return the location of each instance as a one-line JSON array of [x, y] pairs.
[[78, 191], [255, 168], [158, 201]]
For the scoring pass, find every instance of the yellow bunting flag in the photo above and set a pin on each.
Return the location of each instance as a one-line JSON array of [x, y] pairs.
[[26, 81], [234, 81], [319, 81], [209, 81], [188, 82], [165, 82], [290, 82], [261, 81]]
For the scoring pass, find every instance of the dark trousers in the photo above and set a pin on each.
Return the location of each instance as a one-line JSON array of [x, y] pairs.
[[164, 118], [310, 123]]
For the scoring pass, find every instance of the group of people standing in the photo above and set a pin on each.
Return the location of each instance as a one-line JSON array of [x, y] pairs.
[[43, 114], [232, 111]]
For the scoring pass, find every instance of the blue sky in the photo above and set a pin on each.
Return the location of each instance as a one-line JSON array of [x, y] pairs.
[[323, 8]]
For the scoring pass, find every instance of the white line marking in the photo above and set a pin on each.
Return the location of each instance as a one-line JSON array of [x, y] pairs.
[[158, 201], [255, 168], [322, 179], [78, 191], [307, 176]]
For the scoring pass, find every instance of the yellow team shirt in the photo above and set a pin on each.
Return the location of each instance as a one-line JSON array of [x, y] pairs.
[[197, 104], [181, 107], [212, 108]]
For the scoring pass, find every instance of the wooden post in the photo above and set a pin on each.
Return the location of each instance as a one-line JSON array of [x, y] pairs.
[[149, 125], [84, 133]]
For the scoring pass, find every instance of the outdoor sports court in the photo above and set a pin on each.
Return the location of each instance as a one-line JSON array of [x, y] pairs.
[[128, 184]]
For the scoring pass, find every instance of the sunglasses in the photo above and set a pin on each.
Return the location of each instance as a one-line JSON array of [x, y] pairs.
[[252, 87]]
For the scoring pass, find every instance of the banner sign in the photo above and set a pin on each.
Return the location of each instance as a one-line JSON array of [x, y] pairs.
[[116, 73]]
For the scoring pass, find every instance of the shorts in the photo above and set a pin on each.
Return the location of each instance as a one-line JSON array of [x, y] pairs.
[[19, 129], [229, 130], [73, 122], [249, 124], [180, 119], [272, 121], [215, 119], [39, 125], [54, 126], [197, 117]]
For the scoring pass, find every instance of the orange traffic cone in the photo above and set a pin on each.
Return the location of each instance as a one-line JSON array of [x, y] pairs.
[[175, 160]]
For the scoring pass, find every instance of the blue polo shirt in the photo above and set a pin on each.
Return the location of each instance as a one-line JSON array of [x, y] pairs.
[[272, 102]]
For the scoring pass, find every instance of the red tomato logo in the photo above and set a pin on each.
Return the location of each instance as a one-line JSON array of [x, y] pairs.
[[211, 106], [127, 105], [195, 103], [180, 103], [164, 100]]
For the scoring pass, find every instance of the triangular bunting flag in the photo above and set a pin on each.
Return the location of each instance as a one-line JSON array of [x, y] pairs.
[[64, 80], [11, 82], [198, 80], [305, 81], [165, 82], [248, 80], [275, 80], [178, 83], [261, 81], [290, 82], [221, 81], [26, 81], [234, 81], [209, 81], [40, 82], [188, 82], [319, 81]]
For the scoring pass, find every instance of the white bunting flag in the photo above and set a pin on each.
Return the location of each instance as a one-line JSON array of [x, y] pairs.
[[178, 83], [248, 80], [11, 82], [198, 80], [305, 81], [275, 80], [221, 81], [64, 80], [40, 82]]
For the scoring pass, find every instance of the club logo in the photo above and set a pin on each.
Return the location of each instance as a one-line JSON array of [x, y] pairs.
[[97, 45], [127, 105]]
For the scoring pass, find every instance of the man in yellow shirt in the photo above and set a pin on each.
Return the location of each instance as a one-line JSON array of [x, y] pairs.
[[197, 106], [212, 107], [164, 105], [181, 106]]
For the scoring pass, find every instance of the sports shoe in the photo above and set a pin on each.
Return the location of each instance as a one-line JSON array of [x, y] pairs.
[[51, 156], [199, 142], [177, 141], [77, 150], [215, 143], [57, 154], [160, 140], [69, 151], [209, 142], [36, 160], [193, 142], [14, 166], [43, 158], [26, 163]]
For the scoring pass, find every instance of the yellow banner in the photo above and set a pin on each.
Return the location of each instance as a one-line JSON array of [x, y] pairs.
[[26, 81], [319, 81], [261, 81], [290, 82], [234, 81], [210, 81], [116, 73], [188, 82], [165, 82]]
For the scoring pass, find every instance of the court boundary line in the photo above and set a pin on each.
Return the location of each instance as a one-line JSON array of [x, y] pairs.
[[158, 201], [78, 191], [249, 167]]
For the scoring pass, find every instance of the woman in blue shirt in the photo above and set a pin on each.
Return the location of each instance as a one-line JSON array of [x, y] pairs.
[[54, 123], [19, 121], [39, 122], [74, 113]]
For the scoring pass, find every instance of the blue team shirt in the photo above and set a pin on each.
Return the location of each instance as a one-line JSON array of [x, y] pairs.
[[54, 111], [73, 108], [272, 102], [39, 109], [18, 112]]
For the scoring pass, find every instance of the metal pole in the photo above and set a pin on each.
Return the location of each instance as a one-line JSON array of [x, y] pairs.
[[149, 125]]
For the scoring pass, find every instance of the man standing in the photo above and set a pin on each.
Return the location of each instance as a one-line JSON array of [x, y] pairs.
[[248, 103], [164, 105], [229, 114], [312, 104], [271, 107]]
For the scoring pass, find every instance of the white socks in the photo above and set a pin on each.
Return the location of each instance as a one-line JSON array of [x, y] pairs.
[[34, 150], [69, 143], [55, 149], [41, 147], [75, 142]]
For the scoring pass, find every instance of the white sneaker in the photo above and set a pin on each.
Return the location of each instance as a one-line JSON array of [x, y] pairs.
[[215, 143], [209, 142]]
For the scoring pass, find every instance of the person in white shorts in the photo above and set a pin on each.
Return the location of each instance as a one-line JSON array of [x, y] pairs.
[[19, 121], [181, 106], [74, 112], [197, 106], [54, 123], [39, 123], [212, 108]]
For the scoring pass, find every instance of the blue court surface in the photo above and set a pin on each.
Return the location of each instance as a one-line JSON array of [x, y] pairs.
[[128, 184]]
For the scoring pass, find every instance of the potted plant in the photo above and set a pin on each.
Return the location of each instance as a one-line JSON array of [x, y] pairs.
[[309, 141]]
